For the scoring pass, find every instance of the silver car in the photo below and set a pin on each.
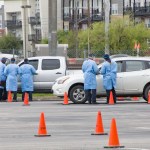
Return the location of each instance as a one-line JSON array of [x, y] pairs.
[[133, 79]]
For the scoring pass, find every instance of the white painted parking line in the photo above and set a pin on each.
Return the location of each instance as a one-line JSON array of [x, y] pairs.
[[145, 128], [134, 149]]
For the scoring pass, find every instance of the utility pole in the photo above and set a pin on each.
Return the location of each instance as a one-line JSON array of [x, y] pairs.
[[52, 27], [107, 20], [89, 26], [36, 30], [76, 28], [24, 7]]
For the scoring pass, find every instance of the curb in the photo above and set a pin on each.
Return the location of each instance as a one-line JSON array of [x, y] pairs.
[[43, 99]]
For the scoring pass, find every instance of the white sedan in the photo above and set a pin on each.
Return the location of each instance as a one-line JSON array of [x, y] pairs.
[[133, 79]]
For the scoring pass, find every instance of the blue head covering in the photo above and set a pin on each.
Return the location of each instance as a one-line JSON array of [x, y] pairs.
[[106, 57], [3, 60], [26, 61], [91, 56], [12, 60]]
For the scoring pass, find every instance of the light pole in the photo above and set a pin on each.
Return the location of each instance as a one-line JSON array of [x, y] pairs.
[[89, 23], [76, 27], [25, 37], [107, 15], [52, 20]]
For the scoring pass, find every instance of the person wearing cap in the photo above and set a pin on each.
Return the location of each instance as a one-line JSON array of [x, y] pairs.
[[3, 93], [109, 72], [26, 73], [90, 70], [12, 71]]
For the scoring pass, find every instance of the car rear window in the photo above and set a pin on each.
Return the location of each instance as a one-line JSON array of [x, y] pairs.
[[50, 64], [134, 66]]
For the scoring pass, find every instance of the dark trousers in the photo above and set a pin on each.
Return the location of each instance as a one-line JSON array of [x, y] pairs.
[[90, 95], [4, 95], [108, 95], [1, 94], [14, 95], [30, 95]]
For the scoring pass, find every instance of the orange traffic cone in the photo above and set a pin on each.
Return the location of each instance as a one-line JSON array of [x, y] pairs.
[[99, 130], [113, 137], [148, 98], [111, 99], [26, 100], [9, 96], [42, 127], [65, 99]]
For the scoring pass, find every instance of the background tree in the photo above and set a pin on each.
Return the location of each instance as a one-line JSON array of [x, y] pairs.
[[10, 42], [123, 34], [68, 37]]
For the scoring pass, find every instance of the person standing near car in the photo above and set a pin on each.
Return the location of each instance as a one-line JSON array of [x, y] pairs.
[[3, 92], [12, 71], [26, 74], [90, 70], [109, 72]]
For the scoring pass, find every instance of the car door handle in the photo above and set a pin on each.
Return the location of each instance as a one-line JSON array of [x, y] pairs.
[[58, 73]]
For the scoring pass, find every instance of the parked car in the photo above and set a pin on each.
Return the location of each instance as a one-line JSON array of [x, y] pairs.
[[119, 55], [8, 57], [133, 79], [49, 68]]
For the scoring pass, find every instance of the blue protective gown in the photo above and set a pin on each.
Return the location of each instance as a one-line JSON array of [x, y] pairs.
[[2, 76], [11, 71], [90, 70], [26, 73], [109, 72]]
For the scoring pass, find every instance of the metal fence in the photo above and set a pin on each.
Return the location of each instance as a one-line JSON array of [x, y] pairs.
[[72, 53]]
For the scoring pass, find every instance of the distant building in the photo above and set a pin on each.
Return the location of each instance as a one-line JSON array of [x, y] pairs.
[[31, 23], [77, 12], [2, 22]]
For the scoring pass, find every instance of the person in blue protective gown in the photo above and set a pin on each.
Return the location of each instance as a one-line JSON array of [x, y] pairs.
[[26, 75], [3, 92], [109, 72], [90, 71], [12, 71]]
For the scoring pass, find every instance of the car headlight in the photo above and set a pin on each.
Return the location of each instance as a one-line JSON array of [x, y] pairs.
[[61, 81]]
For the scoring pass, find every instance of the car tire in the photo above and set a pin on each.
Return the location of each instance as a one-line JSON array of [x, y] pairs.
[[145, 93], [77, 94]]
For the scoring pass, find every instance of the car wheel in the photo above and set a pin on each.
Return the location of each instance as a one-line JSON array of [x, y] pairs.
[[146, 91], [77, 94]]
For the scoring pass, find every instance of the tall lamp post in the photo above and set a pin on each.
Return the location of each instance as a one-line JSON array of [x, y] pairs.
[[24, 7], [107, 20], [76, 27], [52, 20], [89, 25]]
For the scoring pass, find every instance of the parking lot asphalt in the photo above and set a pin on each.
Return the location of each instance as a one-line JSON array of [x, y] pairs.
[[70, 126]]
